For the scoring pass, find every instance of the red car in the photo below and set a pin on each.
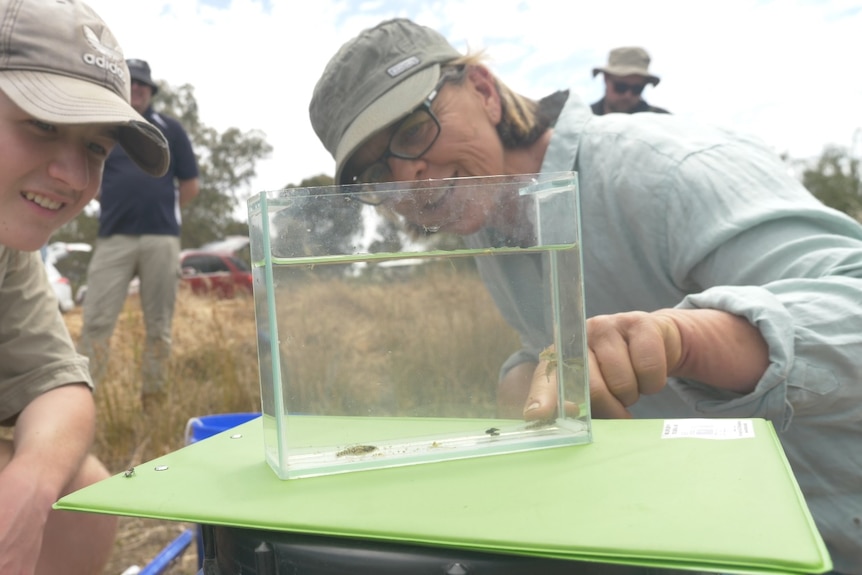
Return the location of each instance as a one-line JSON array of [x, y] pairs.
[[215, 273]]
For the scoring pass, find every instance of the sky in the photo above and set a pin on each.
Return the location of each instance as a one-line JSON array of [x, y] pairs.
[[786, 71]]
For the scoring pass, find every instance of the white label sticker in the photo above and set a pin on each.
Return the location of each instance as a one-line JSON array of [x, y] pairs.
[[707, 428]]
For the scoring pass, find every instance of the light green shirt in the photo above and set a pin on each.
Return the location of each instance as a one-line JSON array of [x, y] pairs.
[[676, 214]]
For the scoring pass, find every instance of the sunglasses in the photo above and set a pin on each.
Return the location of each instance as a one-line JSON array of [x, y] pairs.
[[622, 88]]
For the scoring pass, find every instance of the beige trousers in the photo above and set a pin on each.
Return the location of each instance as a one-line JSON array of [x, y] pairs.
[[117, 259]]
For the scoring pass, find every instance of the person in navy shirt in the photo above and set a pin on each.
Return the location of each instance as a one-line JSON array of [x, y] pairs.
[[139, 229]]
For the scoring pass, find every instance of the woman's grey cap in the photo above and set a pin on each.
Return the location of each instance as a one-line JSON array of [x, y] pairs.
[[60, 63], [373, 80], [628, 61]]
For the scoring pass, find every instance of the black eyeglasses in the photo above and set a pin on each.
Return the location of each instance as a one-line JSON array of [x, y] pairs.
[[622, 88], [411, 138]]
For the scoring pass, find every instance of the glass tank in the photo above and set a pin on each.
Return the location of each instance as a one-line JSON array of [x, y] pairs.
[[388, 314]]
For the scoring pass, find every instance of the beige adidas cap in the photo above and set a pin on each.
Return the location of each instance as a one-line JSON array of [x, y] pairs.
[[60, 63]]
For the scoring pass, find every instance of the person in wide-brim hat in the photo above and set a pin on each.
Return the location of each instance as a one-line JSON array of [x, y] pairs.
[[139, 71], [626, 75], [628, 61]]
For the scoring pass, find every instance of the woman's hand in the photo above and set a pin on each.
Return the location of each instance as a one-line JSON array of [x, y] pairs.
[[634, 353]]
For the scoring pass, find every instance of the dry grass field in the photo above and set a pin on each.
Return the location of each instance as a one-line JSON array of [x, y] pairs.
[[214, 369]]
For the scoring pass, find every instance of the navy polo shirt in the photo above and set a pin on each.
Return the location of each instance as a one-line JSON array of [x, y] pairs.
[[135, 203]]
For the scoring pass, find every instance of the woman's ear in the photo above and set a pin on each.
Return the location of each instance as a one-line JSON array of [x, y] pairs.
[[485, 85]]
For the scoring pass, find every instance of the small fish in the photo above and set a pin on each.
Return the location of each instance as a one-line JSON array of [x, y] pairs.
[[356, 450]]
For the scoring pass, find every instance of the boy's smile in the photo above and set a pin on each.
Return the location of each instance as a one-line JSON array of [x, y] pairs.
[[48, 173]]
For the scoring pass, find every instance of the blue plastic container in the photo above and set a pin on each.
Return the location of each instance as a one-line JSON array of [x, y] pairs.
[[199, 428]]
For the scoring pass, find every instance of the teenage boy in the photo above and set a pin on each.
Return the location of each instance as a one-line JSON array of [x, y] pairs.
[[64, 104]]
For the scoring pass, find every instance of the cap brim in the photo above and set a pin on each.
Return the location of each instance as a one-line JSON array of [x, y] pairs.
[[388, 108], [623, 71], [64, 100]]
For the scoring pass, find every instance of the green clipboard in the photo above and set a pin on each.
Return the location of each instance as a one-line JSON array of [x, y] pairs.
[[631, 497]]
